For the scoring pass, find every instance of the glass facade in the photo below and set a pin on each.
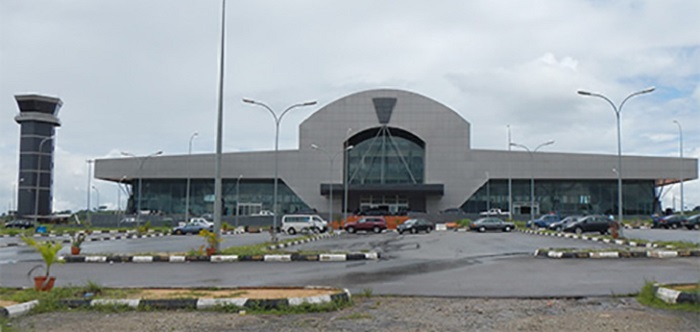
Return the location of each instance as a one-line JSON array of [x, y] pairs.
[[169, 196], [386, 156], [566, 197]]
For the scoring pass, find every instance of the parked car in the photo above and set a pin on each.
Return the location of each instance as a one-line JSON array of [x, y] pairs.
[[599, 224], [693, 222], [452, 211], [414, 226], [264, 213], [192, 227], [544, 221], [202, 221], [673, 221], [561, 224], [495, 212], [491, 224], [294, 223], [375, 224], [23, 224]]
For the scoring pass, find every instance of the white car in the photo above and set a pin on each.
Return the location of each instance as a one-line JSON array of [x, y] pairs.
[[295, 223], [264, 213], [202, 221], [495, 212]]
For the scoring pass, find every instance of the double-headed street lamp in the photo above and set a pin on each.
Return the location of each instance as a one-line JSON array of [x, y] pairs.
[[618, 110], [331, 159], [187, 196], [680, 162], [277, 119], [138, 200], [532, 174], [38, 178]]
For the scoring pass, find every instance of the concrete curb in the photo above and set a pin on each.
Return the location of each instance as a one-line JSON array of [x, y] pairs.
[[617, 254], [673, 296], [98, 236], [223, 258], [593, 238], [343, 295], [315, 238]]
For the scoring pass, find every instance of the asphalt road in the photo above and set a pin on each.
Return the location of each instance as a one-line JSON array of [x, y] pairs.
[[436, 264], [680, 234]]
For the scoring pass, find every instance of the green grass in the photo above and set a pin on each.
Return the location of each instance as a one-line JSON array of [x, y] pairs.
[[646, 297]]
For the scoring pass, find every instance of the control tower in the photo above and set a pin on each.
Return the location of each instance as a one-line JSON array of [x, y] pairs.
[[38, 119]]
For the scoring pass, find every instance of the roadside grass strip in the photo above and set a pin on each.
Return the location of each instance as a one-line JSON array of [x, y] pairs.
[[672, 296], [336, 300], [639, 248]]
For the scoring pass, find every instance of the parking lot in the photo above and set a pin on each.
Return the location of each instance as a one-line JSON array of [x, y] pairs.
[[441, 263]]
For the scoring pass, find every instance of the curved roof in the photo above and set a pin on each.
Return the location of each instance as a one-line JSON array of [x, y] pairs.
[[412, 112]]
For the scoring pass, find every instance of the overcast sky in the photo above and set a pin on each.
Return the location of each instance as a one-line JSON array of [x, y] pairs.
[[141, 76]]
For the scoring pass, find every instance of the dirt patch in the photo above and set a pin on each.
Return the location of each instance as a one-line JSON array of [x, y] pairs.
[[6, 303], [250, 293], [685, 288]]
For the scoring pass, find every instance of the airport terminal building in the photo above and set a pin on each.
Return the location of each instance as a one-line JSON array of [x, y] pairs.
[[400, 151]]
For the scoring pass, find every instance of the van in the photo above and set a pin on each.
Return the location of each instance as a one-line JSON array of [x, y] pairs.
[[294, 223]]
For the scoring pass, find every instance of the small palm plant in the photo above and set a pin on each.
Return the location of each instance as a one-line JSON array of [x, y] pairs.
[[213, 240], [49, 252], [77, 240]]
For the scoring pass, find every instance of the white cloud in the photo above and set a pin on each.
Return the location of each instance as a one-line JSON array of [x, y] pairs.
[[142, 76]]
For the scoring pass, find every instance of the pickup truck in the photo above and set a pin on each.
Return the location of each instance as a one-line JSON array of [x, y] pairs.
[[495, 212]]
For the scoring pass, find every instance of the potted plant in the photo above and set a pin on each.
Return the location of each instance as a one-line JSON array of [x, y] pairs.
[[49, 252], [212, 239], [77, 240]]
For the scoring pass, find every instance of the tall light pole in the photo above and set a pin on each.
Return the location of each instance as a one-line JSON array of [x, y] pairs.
[[510, 179], [143, 161], [218, 181], [346, 179], [38, 178], [238, 198], [680, 162], [331, 159], [97, 192], [89, 185], [532, 174], [187, 196], [277, 119], [618, 110]]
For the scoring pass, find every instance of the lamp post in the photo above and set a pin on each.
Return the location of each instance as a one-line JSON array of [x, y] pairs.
[[532, 174], [238, 198], [510, 179], [138, 200], [89, 185], [345, 181], [680, 162], [38, 178], [331, 159], [277, 119], [618, 110], [187, 195], [97, 192]]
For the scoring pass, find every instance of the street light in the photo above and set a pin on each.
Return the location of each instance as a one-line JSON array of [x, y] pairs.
[[617, 110], [532, 174], [277, 119], [346, 172], [143, 160], [238, 198], [38, 179], [187, 196], [510, 179], [89, 185], [97, 192], [331, 158], [680, 162]]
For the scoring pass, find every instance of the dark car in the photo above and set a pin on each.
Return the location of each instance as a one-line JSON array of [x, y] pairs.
[[544, 221], [414, 226], [23, 224], [491, 224], [693, 222], [375, 224], [600, 224], [193, 227], [561, 224], [673, 221]]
